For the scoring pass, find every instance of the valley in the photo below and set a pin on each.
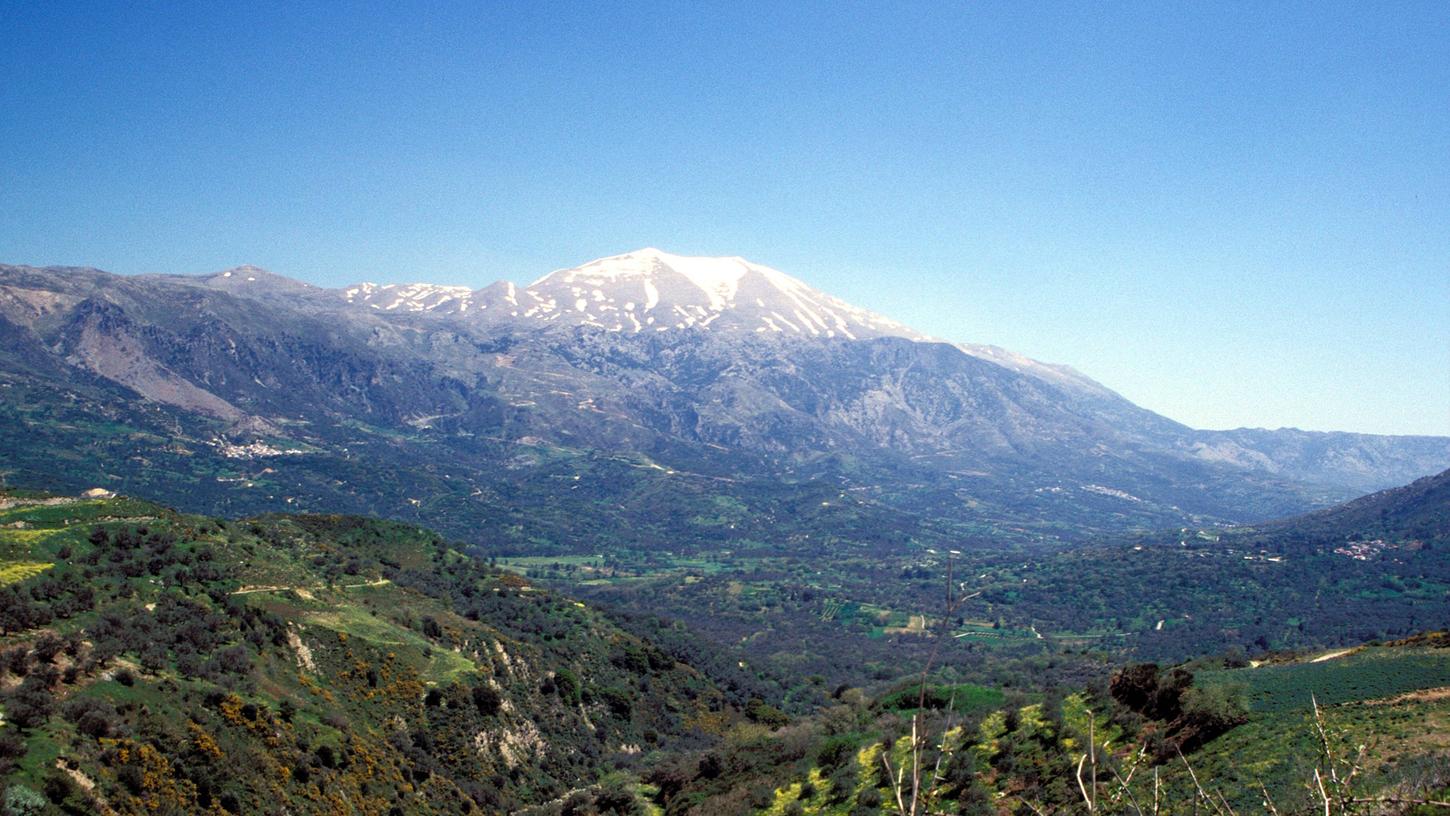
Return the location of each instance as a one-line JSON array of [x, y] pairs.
[[346, 664], [725, 409]]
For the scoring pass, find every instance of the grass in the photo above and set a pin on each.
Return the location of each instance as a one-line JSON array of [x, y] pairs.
[[80, 511], [1280, 748], [41, 754], [446, 666], [522, 564], [443, 665], [1359, 695], [25, 539], [12, 572], [1369, 674]]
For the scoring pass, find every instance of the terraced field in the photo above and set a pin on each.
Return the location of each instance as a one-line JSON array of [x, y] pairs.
[[1392, 700], [1371, 673]]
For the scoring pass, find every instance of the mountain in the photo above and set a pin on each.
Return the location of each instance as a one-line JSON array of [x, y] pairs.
[[1417, 514], [1373, 568], [632, 377], [643, 291]]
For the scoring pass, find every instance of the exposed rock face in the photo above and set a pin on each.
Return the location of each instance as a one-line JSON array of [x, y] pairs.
[[713, 365]]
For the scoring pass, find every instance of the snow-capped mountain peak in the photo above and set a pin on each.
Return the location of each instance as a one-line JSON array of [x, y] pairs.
[[718, 278], [653, 290]]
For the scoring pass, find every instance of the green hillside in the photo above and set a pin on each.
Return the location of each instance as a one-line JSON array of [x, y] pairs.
[[156, 662], [161, 663], [1220, 741], [1394, 700]]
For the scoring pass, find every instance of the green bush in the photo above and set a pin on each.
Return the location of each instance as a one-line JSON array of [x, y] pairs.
[[834, 753], [566, 685], [759, 711], [619, 701], [22, 801]]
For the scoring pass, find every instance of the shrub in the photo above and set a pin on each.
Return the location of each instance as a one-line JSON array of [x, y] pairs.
[[620, 703], [761, 796], [843, 782], [578, 803], [710, 766], [47, 646], [30, 705], [566, 685], [93, 718], [487, 700], [16, 660], [22, 801], [616, 796], [834, 752], [234, 660], [60, 788], [12, 745], [757, 710], [326, 756]]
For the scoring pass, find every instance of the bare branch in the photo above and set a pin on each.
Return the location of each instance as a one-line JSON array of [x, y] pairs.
[[1323, 739], [1201, 792], [1268, 801], [1125, 790], [894, 777], [1087, 799], [915, 763]]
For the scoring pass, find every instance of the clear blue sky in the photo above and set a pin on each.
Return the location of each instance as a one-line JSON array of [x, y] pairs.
[[1234, 214]]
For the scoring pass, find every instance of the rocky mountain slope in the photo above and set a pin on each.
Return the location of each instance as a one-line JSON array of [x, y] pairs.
[[713, 367]]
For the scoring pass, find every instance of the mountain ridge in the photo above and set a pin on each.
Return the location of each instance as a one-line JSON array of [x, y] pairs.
[[947, 431], [647, 290]]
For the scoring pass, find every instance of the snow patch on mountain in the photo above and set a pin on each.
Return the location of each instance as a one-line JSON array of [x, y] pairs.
[[653, 290], [650, 290], [411, 297], [717, 278]]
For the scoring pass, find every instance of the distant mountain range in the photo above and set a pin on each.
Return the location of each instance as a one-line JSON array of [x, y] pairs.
[[644, 383]]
